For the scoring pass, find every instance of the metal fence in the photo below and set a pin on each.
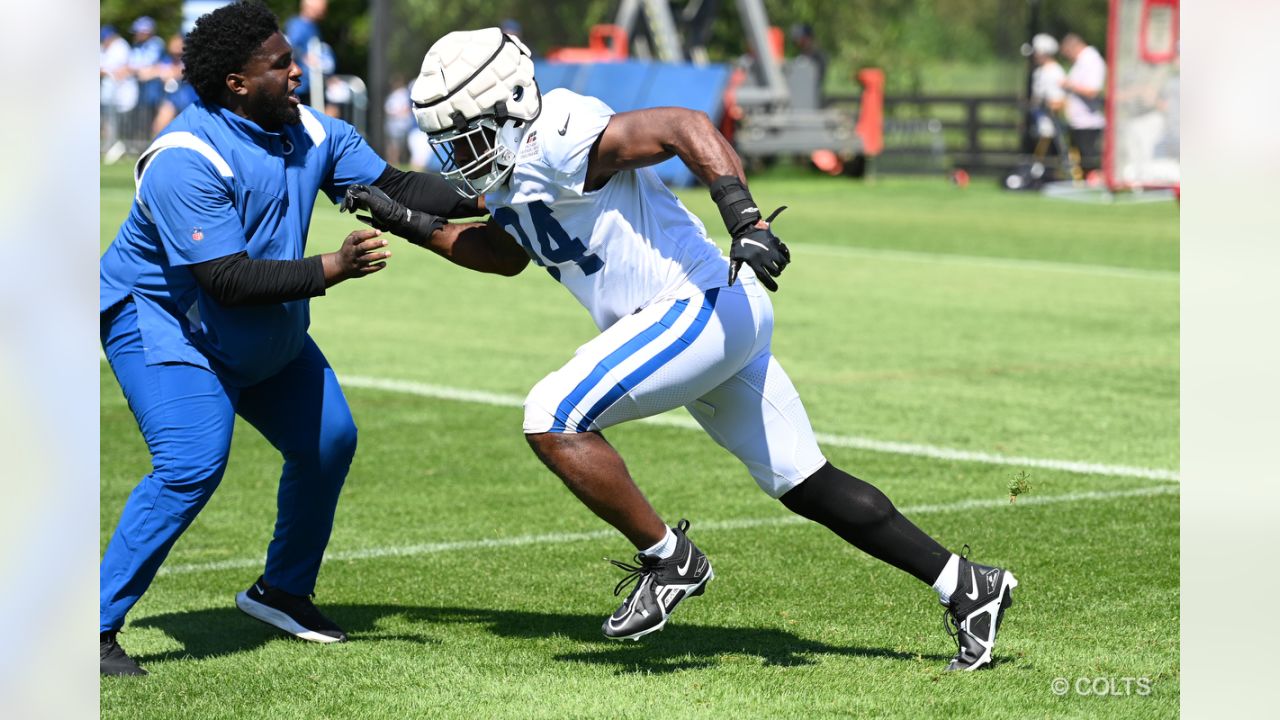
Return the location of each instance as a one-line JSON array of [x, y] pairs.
[[928, 133], [127, 128]]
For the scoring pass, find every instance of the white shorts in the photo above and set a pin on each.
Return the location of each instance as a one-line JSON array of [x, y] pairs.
[[708, 353]]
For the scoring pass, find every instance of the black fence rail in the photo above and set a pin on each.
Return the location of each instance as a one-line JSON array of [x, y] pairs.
[[937, 133]]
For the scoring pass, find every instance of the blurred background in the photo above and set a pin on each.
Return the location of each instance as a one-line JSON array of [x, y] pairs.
[[842, 87]]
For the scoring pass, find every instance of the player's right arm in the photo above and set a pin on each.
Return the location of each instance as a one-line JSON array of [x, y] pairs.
[[641, 138], [646, 137]]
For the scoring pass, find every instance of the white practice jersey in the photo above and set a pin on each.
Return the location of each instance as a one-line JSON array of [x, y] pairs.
[[617, 249]]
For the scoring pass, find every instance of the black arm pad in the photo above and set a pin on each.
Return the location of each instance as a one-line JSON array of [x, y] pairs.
[[737, 208], [238, 281], [426, 192]]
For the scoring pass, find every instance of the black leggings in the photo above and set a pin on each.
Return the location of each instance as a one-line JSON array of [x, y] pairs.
[[858, 512]]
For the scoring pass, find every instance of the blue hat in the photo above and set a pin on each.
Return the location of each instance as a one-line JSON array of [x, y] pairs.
[[143, 24], [107, 31], [510, 26]]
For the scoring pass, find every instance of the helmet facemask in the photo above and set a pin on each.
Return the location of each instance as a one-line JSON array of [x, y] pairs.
[[478, 155]]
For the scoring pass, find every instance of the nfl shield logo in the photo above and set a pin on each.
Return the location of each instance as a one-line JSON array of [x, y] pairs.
[[197, 234]]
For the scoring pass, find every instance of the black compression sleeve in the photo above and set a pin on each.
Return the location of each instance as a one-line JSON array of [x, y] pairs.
[[237, 281], [426, 192], [858, 512]]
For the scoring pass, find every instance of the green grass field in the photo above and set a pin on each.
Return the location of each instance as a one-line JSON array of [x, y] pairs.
[[914, 312]]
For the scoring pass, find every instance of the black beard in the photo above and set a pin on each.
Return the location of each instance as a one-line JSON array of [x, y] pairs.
[[272, 113]]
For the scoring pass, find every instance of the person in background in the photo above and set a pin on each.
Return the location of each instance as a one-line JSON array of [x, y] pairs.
[[145, 61], [1047, 96], [1084, 111], [807, 47], [339, 97], [398, 111], [300, 30], [178, 93], [420, 156], [118, 91], [512, 27]]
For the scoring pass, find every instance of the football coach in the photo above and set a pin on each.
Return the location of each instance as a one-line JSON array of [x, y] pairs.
[[204, 311]]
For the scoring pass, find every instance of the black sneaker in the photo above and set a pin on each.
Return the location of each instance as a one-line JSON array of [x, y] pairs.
[[114, 660], [977, 606], [660, 585], [294, 614]]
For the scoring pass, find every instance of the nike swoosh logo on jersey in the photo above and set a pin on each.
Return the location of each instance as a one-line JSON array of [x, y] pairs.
[[684, 569], [762, 246], [973, 585], [566, 124]]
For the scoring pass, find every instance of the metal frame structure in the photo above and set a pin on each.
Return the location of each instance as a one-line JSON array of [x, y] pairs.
[[771, 124]]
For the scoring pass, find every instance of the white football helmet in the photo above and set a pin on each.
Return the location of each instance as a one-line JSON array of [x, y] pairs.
[[475, 98]]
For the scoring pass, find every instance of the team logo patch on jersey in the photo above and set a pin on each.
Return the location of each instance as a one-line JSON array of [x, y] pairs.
[[197, 234], [530, 149]]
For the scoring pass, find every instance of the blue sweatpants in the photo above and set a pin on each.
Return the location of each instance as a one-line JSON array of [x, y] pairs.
[[186, 414]]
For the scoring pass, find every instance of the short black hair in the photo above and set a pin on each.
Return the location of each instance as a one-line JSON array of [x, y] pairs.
[[222, 42]]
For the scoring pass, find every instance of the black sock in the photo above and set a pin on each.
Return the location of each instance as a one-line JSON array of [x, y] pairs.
[[862, 515]]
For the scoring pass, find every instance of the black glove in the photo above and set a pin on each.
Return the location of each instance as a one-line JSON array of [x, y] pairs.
[[762, 250], [390, 216]]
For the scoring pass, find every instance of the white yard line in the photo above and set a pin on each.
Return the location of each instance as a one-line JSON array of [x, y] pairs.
[[396, 551], [800, 248], [441, 392]]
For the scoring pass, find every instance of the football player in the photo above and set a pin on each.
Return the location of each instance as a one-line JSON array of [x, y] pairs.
[[569, 180]]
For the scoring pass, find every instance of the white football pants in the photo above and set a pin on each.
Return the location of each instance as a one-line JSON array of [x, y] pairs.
[[708, 353]]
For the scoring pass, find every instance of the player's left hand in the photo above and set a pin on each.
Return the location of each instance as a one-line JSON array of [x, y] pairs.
[[759, 248]]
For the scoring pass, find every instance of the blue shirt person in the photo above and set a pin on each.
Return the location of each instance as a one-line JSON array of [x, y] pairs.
[[242, 189], [300, 30], [204, 314]]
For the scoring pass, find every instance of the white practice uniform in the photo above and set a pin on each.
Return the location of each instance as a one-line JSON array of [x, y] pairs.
[[672, 333], [1089, 71], [1046, 90]]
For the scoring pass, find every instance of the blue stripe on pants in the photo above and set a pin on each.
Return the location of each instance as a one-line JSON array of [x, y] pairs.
[[612, 360], [643, 372]]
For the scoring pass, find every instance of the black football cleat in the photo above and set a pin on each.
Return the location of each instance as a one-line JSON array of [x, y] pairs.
[[660, 585], [977, 606], [294, 614], [113, 659]]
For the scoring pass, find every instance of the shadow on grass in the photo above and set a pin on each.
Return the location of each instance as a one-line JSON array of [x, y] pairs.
[[224, 631]]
